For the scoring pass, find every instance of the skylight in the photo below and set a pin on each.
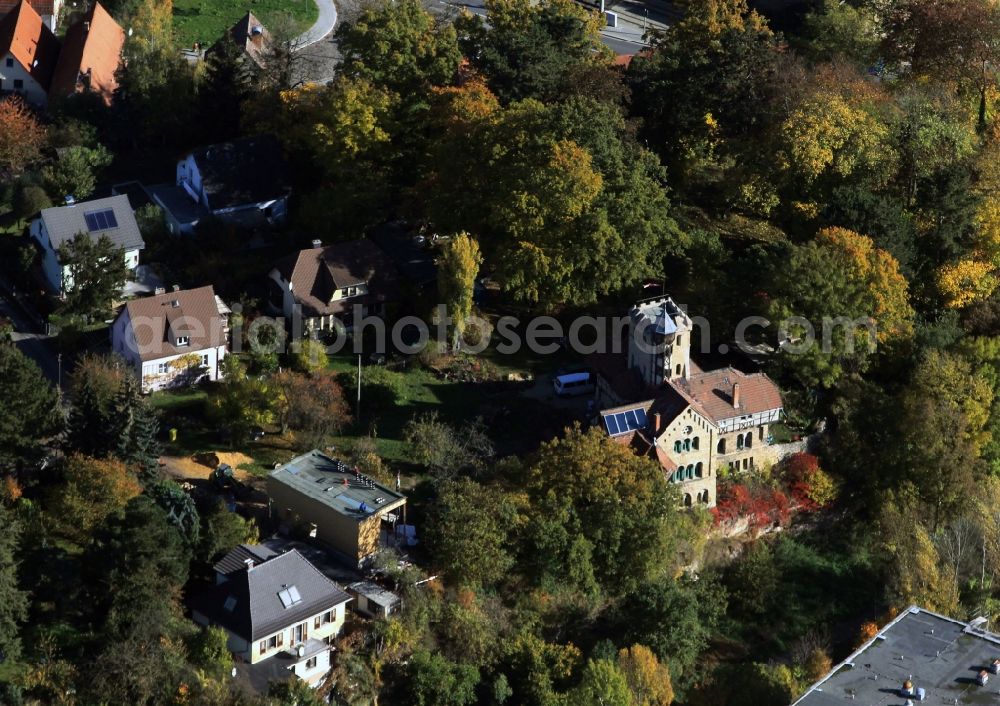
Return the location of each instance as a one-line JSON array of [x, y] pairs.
[[289, 596], [230, 604]]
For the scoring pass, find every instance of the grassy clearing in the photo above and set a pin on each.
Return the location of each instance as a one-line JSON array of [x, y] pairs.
[[204, 21]]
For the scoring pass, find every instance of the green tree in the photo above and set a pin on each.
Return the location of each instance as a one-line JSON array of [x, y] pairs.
[[97, 272], [31, 414], [676, 618], [76, 170], [943, 465], [222, 530], [592, 496], [135, 570], [179, 508], [458, 266], [841, 29], [243, 401], [399, 46], [432, 679], [94, 387], [602, 684], [13, 600], [154, 75], [137, 426], [224, 86], [704, 92], [474, 547], [29, 199], [209, 650], [752, 580], [857, 289], [445, 450], [568, 208], [309, 356], [527, 49]]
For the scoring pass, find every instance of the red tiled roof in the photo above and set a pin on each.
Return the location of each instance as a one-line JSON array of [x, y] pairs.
[[317, 273], [32, 44], [251, 36], [90, 56], [712, 393], [196, 315]]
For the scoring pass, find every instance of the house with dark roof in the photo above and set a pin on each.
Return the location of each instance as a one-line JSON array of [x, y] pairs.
[[692, 422], [243, 182], [112, 217], [342, 282], [48, 10], [28, 54], [280, 612], [90, 57], [919, 656], [349, 512], [173, 338]]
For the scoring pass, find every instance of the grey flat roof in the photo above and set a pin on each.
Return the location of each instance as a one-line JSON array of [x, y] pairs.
[[374, 593], [64, 223], [336, 485], [940, 655], [174, 199]]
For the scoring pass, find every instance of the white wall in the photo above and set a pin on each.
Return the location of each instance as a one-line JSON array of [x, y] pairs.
[[152, 379], [32, 92]]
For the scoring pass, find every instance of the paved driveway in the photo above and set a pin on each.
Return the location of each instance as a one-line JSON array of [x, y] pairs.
[[324, 24]]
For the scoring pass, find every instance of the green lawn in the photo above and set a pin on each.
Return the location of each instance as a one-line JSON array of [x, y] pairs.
[[205, 21]]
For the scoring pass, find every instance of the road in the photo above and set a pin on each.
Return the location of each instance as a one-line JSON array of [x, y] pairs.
[[27, 337], [634, 18], [323, 25]]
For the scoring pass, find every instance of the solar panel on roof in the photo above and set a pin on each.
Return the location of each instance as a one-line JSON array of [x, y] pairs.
[[631, 420], [611, 424], [100, 220], [640, 415]]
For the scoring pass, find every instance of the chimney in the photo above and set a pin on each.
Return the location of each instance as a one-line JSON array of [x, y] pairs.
[[317, 243], [86, 27], [249, 562], [177, 288], [736, 394], [159, 290], [656, 423]]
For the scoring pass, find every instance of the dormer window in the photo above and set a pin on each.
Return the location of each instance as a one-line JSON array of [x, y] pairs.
[[183, 340]]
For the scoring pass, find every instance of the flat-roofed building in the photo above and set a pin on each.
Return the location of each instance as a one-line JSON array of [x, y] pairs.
[[343, 508], [919, 656]]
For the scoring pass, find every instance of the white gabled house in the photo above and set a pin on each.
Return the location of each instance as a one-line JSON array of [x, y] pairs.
[[173, 339], [58, 225]]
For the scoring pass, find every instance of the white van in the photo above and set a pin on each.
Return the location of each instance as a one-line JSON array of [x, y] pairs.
[[573, 384]]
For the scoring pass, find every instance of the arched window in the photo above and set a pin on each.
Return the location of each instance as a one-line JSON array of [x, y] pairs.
[[690, 472], [704, 497], [722, 446], [687, 444], [739, 441], [678, 369], [694, 443], [749, 440], [687, 499], [698, 469], [677, 446]]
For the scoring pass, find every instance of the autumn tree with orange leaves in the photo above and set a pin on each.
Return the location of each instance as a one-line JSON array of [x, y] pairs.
[[21, 135]]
